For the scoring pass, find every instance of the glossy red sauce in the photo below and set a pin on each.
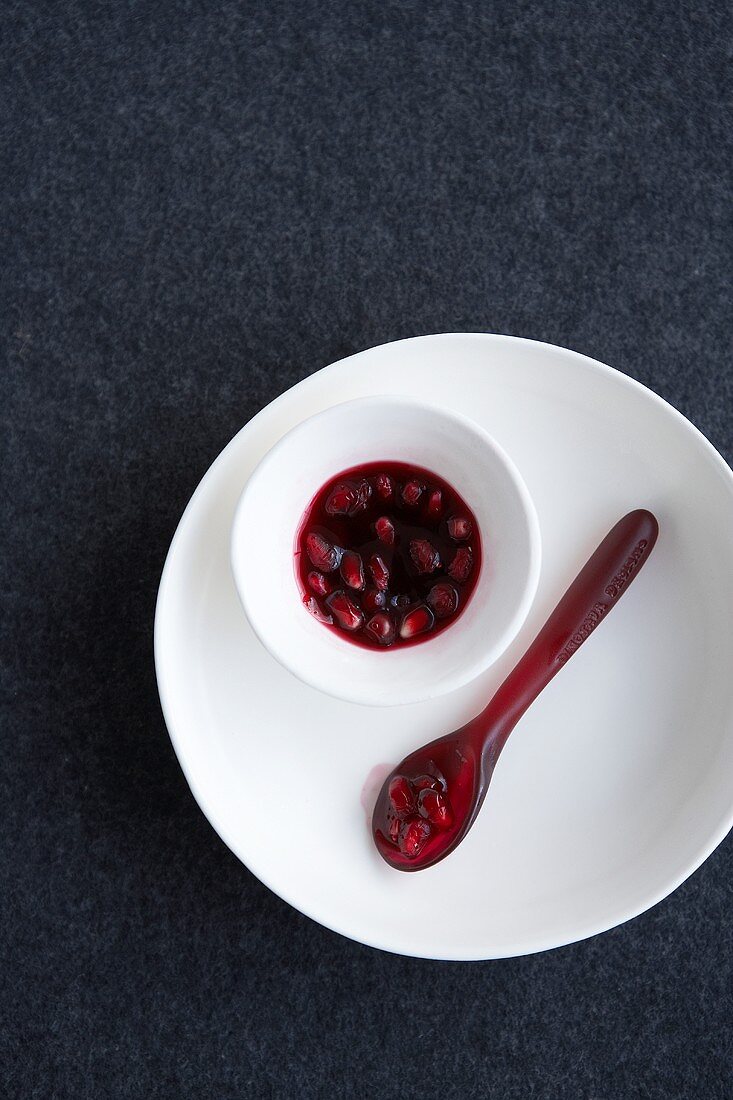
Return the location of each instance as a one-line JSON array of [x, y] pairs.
[[387, 554]]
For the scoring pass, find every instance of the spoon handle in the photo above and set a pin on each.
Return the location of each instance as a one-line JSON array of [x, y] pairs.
[[598, 587]]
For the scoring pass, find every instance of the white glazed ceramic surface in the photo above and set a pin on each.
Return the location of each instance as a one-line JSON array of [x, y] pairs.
[[350, 434], [617, 783]]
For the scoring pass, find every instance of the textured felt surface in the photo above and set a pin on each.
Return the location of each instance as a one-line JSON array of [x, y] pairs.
[[201, 204]]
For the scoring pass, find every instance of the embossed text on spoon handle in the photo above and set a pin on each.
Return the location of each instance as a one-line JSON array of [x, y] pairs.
[[595, 591]]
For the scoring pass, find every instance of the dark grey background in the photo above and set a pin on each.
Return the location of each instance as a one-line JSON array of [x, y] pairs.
[[202, 204]]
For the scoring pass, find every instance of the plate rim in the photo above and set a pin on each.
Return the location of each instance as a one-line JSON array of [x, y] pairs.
[[538, 944]]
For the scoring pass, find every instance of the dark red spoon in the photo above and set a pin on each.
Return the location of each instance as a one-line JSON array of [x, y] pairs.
[[432, 798]]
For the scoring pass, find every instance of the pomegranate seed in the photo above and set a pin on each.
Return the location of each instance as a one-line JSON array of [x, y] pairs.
[[393, 827], [315, 609], [385, 530], [400, 602], [462, 564], [443, 598], [321, 553], [341, 499], [381, 628], [374, 600], [352, 569], [459, 528], [384, 486], [380, 572], [434, 806], [417, 621], [319, 584], [413, 836], [347, 614], [400, 795], [424, 555], [435, 504], [411, 492], [363, 495], [427, 782]]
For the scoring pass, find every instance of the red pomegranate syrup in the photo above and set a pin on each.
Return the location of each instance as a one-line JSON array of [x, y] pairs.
[[387, 554]]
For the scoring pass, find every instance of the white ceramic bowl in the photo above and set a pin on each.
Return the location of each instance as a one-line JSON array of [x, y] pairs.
[[373, 429]]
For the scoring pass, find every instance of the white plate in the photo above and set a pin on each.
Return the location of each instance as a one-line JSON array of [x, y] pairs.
[[616, 785]]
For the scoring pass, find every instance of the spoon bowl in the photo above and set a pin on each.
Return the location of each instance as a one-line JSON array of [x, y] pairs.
[[453, 761], [413, 829]]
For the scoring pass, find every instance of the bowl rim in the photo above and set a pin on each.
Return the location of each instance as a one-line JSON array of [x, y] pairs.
[[484, 658]]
